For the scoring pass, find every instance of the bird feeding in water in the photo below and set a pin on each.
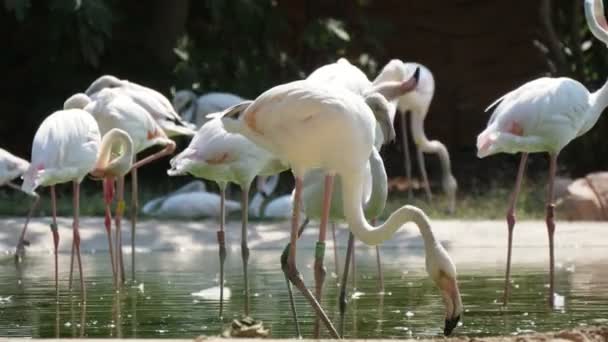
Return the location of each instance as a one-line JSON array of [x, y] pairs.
[[297, 122]]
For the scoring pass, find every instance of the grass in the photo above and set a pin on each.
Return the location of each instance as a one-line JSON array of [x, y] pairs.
[[478, 203]]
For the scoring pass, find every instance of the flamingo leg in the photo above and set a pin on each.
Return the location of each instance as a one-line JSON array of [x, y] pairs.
[[169, 148], [342, 299], [550, 220], [354, 274], [406, 156], [134, 210], [320, 271], [76, 190], [289, 265], [108, 189], [379, 266], [221, 240], [120, 208], [20, 250], [54, 230], [335, 242], [244, 246], [511, 223], [425, 177], [292, 303]]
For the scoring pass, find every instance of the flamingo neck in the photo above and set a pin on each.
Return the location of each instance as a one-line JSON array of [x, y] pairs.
[[430, 146], [598, 101], [120, 165], [377, 199], [352, 190]]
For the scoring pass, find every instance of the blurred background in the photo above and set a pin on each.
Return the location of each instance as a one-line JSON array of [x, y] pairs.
[[476, 49]]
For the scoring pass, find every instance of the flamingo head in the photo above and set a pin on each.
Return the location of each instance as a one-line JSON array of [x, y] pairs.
[[112, 164], [77, 101], [443, 273]]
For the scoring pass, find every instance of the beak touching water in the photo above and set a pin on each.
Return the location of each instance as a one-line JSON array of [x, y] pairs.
[[453, 302]]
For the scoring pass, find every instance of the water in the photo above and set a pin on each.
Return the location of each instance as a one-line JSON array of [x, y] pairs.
[[160, 303]]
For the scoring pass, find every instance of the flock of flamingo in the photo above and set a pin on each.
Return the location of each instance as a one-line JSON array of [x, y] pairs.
[[327, 128]]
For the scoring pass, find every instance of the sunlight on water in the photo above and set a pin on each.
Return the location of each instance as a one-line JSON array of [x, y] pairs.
[[161, 303]]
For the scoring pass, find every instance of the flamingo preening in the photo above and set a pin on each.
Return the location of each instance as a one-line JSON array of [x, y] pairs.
[[297, 122], [67, 146], [113, 108], [543, 115]]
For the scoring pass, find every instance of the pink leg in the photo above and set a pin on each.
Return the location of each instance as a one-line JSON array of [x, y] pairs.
[[20, 250], [55, 238], [320, 271], [134, 210], [221, 240], [379, 265], [406, 156], [511, 223], [289, 263], [77, 238], [169, 148], [120, 209], [244, 243], [108, 195], [551, 225]]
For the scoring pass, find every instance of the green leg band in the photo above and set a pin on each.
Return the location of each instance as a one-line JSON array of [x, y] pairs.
[[320, 250]]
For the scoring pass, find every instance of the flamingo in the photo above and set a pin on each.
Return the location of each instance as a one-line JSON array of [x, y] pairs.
[[297, 122], [417, 103], [543, 115], [190, 201], [343, 74], [12, 167], [280, 207], [161, 110], [113, 108], [225, 157], [67, 146], [194, 110]]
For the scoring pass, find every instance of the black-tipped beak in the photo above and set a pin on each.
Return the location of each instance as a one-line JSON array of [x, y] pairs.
[[417, 74], [450, 324]]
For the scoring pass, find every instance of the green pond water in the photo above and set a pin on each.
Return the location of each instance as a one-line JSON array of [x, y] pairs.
[[160, 302]]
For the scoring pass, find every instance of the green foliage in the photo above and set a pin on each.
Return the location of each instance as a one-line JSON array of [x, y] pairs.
[[82, 25]]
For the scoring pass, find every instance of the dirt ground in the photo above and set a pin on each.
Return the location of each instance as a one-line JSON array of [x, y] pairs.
[[590, 334]]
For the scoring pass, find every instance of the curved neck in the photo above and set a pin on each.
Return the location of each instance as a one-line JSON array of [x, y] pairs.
[[598, 101], [352, 190], [120, 165], [594, 13], [430, 146], [377, 199]]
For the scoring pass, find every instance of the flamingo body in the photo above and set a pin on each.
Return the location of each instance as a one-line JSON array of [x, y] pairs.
[[543, 115]]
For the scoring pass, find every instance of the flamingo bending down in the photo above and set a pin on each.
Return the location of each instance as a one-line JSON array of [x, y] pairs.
[[113, 108], [225, 157], [297, 122], [543, 115], [67, 146], [12, 167], [195, 109], [417, 103], [161, 110], [188, 202]]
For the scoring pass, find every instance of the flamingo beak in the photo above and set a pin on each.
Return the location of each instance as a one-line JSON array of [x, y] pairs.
[[450, 324], [453, 302]]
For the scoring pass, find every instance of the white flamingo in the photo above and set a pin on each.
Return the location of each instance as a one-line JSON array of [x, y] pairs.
[[12, 167], [194, 109], [543, 115], [417, 103], [113, 108], [190, 201], [298, 122], [277, 208], [223, 157], [161, 110], [67, 146]]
